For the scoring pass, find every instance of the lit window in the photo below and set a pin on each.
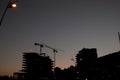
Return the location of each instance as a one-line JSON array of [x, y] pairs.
[[81, 59]]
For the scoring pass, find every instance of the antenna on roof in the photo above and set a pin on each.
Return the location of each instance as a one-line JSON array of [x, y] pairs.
[[119, 36]]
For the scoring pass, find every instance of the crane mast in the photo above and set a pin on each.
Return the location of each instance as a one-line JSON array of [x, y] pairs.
[[53, 49]]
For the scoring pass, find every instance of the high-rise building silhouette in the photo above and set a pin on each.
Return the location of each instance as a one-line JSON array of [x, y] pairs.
[[36, 67], [85, 59]]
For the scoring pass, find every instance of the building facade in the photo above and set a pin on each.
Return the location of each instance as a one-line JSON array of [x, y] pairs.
[[36, 67]]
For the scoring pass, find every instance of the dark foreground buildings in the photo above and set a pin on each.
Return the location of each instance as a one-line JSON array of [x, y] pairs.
[[90, 67], [86, 61]]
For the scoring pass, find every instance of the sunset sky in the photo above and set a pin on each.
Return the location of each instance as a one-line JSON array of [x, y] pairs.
[[68, 25]]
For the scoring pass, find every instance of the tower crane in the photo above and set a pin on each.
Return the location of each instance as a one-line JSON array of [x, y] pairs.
[[40, 45], [54, 51]]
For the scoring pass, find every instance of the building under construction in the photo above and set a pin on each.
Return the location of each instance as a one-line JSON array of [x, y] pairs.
[[36, 67]]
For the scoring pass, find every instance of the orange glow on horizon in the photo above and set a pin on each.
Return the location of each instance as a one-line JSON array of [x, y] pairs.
[[5, 74]]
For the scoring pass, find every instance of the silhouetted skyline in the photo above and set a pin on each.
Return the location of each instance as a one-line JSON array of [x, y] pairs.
[[64, 24], [88, 67]]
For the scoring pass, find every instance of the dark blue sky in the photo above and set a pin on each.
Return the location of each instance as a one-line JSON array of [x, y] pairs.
[[69, 25]]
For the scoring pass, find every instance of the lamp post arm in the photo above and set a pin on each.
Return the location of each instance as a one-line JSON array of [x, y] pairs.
[[4, 12]]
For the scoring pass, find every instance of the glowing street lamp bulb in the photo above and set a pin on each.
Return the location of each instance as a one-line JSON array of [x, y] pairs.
[[14, 5]]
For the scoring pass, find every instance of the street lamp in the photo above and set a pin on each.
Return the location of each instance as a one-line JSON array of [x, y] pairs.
[[10, 4], [13, 5]]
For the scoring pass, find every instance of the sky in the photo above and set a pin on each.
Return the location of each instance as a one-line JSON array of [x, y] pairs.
[[67, 25]]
